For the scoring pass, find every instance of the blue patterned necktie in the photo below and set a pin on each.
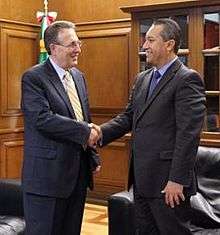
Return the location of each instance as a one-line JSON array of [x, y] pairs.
[[153, 82]]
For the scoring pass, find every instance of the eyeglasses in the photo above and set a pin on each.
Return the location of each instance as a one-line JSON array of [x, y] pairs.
[[73, 44]]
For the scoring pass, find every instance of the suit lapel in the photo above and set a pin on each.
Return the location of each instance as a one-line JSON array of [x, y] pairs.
[[145, 86], [55, 80], [167, 77], [142, 91]]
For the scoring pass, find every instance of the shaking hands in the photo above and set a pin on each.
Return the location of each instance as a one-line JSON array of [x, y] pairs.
[[95, 135]]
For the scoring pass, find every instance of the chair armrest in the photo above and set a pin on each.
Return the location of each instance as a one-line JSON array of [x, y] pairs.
[[11, 199], [121, 213]]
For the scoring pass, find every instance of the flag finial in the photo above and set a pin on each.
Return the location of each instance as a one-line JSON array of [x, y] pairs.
[[45, 7]]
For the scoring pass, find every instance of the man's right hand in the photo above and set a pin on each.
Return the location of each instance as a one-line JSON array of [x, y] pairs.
[[95, 135]]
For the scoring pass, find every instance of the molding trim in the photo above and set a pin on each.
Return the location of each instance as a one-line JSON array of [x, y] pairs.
[[103, 25], [168, 5], [104, 22], [11, 131], [19, 23]]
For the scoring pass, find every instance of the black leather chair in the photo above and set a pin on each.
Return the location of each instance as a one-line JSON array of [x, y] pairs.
[[11, 208], [205, 212]]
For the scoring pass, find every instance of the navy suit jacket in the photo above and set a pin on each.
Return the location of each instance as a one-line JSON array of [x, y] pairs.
[[53, 139], [165, 129]]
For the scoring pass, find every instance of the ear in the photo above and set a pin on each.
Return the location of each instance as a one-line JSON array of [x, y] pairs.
[[170, 45], [52, 48]]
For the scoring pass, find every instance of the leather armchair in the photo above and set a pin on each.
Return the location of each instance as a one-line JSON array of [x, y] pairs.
[[205, 213], [11, 208]]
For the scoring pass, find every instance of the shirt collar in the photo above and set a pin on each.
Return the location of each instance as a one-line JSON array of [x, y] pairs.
[[60, 71], [163, 69]]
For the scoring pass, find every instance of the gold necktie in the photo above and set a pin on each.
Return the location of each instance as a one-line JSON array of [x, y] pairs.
[[73, 96]]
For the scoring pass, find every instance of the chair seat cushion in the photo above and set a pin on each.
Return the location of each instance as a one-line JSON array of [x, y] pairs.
[[206, 232], [10, 225]]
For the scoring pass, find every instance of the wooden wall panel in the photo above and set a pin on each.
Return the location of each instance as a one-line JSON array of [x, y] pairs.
[[18, 52], [19, 10], [115, 163], [11, 158], [104, 61], [114, 172], [97, 10], [74, 10], [11, 155]]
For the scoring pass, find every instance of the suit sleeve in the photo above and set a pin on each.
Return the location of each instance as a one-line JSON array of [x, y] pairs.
[[38, 114], [122, 123], [190, 111]]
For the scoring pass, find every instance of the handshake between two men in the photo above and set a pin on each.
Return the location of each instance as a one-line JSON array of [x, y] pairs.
[[95, 135]]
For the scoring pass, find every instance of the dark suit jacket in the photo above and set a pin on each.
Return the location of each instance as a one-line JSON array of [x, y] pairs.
[[53, 138], [165, 129]]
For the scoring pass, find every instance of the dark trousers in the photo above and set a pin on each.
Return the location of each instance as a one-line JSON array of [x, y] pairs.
[[56, 216], [154, 217]]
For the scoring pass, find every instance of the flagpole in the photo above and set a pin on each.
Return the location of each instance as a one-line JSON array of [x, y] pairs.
[[45, 18]]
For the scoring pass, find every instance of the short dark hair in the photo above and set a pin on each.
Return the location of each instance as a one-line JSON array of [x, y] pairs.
[[171, 30], [52, 31]]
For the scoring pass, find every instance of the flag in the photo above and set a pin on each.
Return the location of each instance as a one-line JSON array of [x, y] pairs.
[[45, 18]]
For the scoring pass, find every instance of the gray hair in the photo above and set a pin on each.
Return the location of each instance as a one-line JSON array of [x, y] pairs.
[[52, 31]]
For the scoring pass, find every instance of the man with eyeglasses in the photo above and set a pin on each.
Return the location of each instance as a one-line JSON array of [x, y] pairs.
[[58, 162]]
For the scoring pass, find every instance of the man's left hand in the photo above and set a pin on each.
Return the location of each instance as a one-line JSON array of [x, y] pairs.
[[173, 193], [97, 169]]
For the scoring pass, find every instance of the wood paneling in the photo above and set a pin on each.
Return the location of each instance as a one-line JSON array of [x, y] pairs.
[[210, 139], [104, 61], [19, 10], [11, 158], [74, 10], [97, 10], [115, 162], [11, 155], [162, 5], [114, 172], [19, 49], [196, 24], [18, 52]]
